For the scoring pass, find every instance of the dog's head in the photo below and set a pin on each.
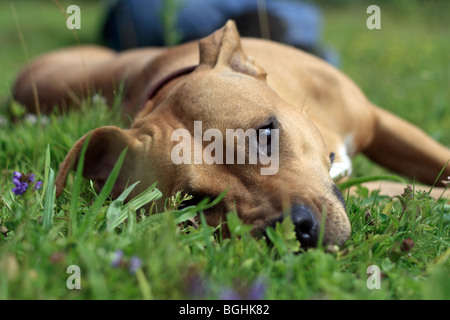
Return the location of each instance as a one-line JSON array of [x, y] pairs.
[[219, 128]]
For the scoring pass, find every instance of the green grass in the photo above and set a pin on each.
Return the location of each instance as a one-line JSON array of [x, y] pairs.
[[403, 67]]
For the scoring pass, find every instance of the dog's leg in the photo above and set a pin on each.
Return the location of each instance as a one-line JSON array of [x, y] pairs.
[[402, 147], [58, 78], [392, 189], [64, 78]]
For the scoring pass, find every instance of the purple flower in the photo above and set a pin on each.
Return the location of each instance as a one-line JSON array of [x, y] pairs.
[[229, 294], [23, 181], [258, 290], [135, 263], [196, 286], [118, 259], [20, 188], [38, 185]]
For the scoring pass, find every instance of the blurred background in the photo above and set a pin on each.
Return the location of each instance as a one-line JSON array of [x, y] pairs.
[[403, 67]]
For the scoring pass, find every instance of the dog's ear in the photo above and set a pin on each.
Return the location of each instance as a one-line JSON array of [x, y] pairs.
[[104, 148], [223, 49]]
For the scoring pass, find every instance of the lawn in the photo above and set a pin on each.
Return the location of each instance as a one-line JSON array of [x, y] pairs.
[[114, 250]]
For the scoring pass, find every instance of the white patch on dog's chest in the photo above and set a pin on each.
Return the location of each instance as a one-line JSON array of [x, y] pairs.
[[342, 165]]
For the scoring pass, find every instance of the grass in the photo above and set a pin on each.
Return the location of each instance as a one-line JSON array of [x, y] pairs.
[[124, 252]]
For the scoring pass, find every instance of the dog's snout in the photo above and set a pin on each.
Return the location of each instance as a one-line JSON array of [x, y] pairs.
[[306, 226]]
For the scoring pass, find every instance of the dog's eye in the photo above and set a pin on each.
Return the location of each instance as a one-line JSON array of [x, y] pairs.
[[332, 156], [268, 137], [264, 136], [265, 140]]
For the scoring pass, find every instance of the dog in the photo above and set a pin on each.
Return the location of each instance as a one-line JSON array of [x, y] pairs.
[[322, 119]]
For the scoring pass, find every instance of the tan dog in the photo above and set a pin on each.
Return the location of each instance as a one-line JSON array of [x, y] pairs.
[[320, 114]]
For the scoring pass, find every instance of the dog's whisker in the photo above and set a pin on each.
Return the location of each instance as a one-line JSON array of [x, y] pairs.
[[343, 155], [312, 107], [304, 101]]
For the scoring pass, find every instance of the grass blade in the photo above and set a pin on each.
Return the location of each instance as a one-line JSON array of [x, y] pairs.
[[49, 201], [107, 188], [117, 213], [115, 209], [46, 170], [353, 182], [127, 192], [149, 195]]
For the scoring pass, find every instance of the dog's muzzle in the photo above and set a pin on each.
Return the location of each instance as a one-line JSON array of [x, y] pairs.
[[305, 224]]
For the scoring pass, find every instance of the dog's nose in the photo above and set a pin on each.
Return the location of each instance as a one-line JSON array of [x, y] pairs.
[[306, 226]]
